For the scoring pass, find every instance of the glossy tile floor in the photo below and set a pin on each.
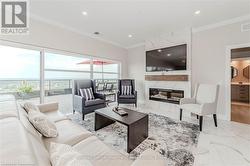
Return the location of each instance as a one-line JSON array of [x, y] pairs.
[[226, 145]]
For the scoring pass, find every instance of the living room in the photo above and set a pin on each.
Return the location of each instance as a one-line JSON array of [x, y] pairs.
[[80, 62]]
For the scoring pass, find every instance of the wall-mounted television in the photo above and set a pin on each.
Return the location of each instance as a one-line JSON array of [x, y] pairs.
[[167, 59]]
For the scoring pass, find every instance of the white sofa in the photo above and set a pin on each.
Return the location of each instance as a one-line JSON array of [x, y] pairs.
[[21, 144]]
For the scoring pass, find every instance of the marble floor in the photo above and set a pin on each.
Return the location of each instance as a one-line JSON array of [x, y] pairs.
[[226, 145]]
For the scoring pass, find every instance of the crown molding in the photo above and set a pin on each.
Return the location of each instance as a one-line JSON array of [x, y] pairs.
[[57, 24], [220, 24]]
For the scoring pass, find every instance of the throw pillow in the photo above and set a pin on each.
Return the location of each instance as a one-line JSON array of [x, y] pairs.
[[28, 106], [65, 155], [87, 93], [126, 90], [42, 124]]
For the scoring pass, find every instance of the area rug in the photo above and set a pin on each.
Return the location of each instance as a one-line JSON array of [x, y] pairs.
[[173, 139]]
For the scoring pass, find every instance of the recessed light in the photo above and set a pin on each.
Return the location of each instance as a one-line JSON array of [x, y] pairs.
[[97, 33], [130, 36], [168, 54], [197, 12], [84, 13], [160, 50]]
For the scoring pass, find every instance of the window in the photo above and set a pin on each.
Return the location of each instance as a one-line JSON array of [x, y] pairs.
[[66, 62], [60, 71], [106, 71], [38, 75], [20, 73]]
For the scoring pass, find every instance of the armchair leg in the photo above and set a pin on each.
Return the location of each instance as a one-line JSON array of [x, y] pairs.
[[215, 120], [83, 116], [197, 116], [74, 111], [136, 105], [180, 114], [200, 121]]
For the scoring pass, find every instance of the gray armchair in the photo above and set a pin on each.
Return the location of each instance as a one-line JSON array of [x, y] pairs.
[[80, 104], [126, 99]]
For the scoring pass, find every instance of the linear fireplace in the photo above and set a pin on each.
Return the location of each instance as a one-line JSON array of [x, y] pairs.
[[166, 95]]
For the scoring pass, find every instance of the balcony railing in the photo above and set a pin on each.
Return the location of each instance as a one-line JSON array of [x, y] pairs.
[[30, 88], [25, 89]]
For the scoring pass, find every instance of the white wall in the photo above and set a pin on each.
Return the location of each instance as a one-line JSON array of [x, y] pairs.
[[136, 69], [208, 58], [45, 35], [136, 59]]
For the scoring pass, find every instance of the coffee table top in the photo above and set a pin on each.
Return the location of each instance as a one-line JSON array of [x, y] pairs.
[[133, 116]]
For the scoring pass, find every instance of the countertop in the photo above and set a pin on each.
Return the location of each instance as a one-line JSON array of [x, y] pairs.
[[244, 83]]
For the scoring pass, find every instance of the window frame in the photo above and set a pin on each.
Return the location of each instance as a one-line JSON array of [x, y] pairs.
[[102, 72]]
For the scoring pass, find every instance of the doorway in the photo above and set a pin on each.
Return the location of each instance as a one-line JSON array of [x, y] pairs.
[[240, 85]]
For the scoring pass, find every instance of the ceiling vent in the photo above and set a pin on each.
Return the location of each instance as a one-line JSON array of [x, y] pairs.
[[245, 27]]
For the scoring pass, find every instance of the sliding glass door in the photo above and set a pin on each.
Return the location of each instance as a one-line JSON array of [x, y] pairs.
[[38, 75], [20, 73], [60, 71], [106, 72]]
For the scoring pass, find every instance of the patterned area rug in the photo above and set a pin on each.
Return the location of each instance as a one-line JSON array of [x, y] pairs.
[[173, 139]]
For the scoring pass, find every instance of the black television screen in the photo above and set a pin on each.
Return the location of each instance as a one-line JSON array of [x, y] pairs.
[[167, 59]]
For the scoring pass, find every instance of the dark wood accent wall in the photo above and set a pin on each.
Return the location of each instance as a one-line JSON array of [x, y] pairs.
[[166, 77]]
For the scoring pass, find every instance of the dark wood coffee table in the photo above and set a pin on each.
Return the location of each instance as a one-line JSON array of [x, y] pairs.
[[136, 122]]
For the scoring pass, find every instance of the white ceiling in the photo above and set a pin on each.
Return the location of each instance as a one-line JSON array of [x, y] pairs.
[[144, 19]]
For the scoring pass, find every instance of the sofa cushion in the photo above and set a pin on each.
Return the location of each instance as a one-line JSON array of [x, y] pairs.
[[48, 107], [148, 158], [15, 148], [55, 116], [100, 154], [40, 152], [8, 109], [28, 106], [94, 102], [127, 96], [27, 125], [65, 155], [42, 124], [68, 133]]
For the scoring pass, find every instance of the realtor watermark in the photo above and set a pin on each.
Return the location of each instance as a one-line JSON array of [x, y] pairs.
[[14, 17]]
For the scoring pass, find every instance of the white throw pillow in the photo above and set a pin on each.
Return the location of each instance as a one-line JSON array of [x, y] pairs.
[[42, 124], [65, 155], [28, 106]]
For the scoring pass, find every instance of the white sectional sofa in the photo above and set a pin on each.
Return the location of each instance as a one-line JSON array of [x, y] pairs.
[[22, 144]]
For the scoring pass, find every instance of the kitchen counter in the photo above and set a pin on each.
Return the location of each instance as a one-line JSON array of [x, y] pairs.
[[244, 83]]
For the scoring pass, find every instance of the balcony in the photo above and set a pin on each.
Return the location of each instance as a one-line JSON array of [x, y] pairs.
[[56, 90], [59, 90]]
